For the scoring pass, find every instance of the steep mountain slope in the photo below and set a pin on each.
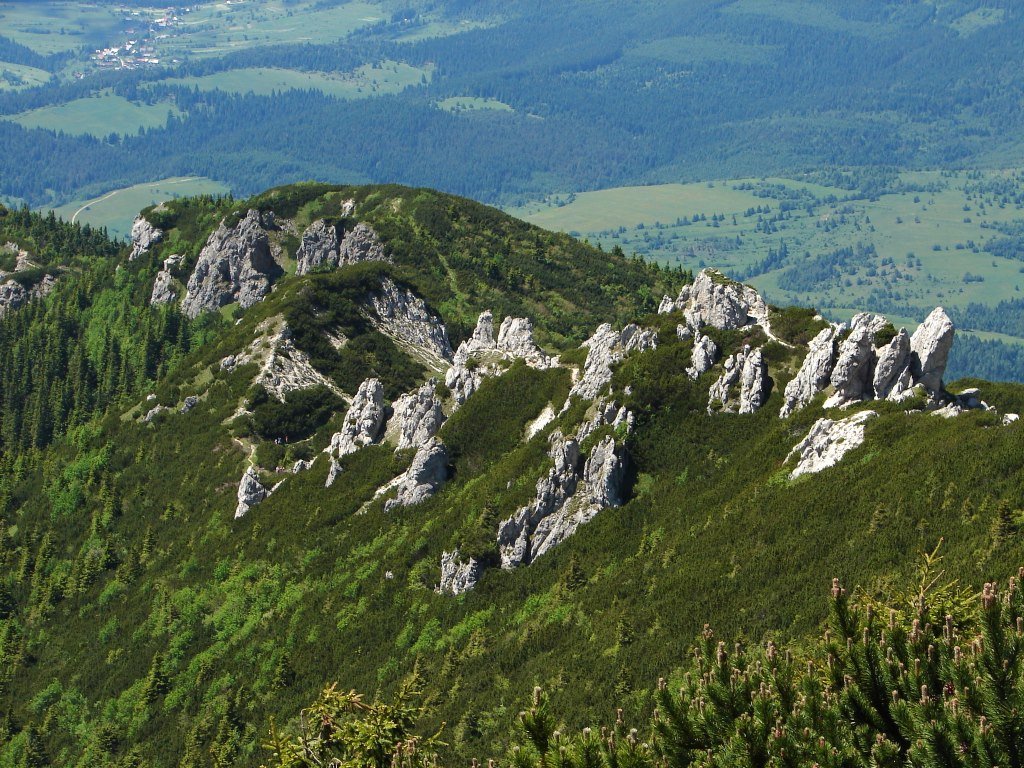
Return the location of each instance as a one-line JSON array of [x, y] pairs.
[[398, 453]]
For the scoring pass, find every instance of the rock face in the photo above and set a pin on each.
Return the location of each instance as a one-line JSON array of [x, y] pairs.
[[815, 373], [566, 499], [236, 265], [360, 244], [164, 288], [363, 421], [851, 376], [929, 347], [458, 575], [893, 360], [417, 417], [401, 315], [427, 473], [250, 492], [12, 296], [319, 246], [754, 382], [704, 356], [827, 443], [515, 340], [144, 236], [721, 395], [606, 348], [553, 490], [324, 246], [283, 367], [715, 300]]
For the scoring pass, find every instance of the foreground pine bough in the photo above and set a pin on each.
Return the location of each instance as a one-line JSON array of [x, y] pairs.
[[908, 689]]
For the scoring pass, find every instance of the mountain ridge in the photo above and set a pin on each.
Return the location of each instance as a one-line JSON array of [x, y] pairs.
[[184, 626]]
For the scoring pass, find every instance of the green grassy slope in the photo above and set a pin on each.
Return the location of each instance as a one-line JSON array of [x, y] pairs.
[[140, 623]]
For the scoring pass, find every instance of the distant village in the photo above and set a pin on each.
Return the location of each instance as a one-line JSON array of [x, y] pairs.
[[143, 32]]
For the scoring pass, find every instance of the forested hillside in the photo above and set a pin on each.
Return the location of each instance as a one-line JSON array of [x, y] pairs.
[[345, 433]]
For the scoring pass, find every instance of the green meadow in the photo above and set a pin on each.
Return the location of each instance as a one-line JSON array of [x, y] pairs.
[[55, 27], [99, 115], [117, 209], [17, 76], [368, 80]]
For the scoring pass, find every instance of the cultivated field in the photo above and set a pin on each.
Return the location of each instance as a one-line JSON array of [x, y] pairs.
[[18, 76]]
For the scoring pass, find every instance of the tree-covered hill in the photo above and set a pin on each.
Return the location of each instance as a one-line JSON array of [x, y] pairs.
[[231, 507]]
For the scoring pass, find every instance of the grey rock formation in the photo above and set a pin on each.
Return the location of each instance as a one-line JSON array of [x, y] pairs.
[[361, 244], [851, 376], [684, 332], [283, 367], [754, 383], [319, 246], [870, 322], [827, 443], [1010, 418], [929, 347], [721, 395], [426, 474], [153, 412], [302, 465], [599, 489], [463, 381], [892, 361], [703, 357], [250, 492], [190, 402], [404, 317], [164, 289], [363, 421], [605, 413], [483, 335], [458, 575], [606, 348], [333, 472], [12, 296], [553, 490], [236, 265], [815, 373], [144, 236], [515, 340], [417, 417], [721, 303]]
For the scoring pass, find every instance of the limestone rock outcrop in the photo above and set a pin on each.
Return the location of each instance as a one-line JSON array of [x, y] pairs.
[[515, 340], [815, 373], [715, 300], [703, 357], [235, 265], [893, 360], [606, 348], [283, 367], [361, 244], [754, 382], [363, 420], [164, 289], [12, 296], [250, 492], [417, 417], [828, 442], [553, 490], [929, 348], [851, 377], [319, 246], [458, 575], [402, 316], [144, 236], [427, 473]]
